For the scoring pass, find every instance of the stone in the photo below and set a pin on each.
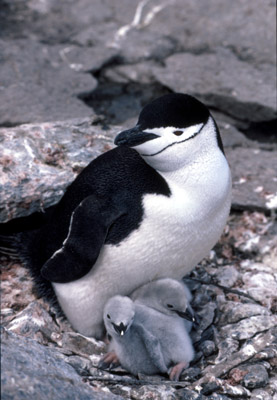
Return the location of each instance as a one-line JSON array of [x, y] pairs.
[[237, 391], [80, 364], [82, 345], [32, 371], [226, 276], [34, 321], [246, 352], [247, 328], [260, 394], [232, 312], [254, 183], [207, 347], [187, 394], [256, 376], [225, 348], [261, 286], [40, 161], [40, 84], [224, 82]]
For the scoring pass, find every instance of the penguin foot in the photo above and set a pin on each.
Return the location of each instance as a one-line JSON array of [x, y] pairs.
[[175, 372], [109, 361]]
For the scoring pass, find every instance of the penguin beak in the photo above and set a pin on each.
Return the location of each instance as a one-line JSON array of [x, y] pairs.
[[120, 329], [186, 315], [133, 137]]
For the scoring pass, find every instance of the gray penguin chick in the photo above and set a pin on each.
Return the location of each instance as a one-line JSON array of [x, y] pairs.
[[169, 296], [146, 340]]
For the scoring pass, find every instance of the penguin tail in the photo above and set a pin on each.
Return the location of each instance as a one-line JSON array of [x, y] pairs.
[[10, 246]]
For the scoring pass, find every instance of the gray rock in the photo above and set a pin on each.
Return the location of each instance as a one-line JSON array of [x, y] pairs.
[[247, 328], [237, 391], [222, 81], [32, 371], [80, 364], [256, 376], [207, 347], [34, 321], [40, 84], [262, 286], [225, 348], [254, 183], [40, 160], [260, 394], [187, 394], [82, 345], [232, 311], [226, 276], [246, 352]]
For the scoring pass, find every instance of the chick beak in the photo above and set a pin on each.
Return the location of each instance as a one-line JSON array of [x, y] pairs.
[[133, 137], [120, 329], [186, 315]]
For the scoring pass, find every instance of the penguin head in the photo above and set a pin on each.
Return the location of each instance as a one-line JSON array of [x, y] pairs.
[[170, 297], [170, 130], [119, 313]]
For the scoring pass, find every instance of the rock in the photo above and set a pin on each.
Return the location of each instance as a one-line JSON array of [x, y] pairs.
[[260, 394], [152, 392], [226, 276], [225, 348], [234, 391], [34, 321], [15, 280], [254, 183], [224, 82], [246, 352], [261, 286], [207, 347], [217, 396], [32, 371], [40, 84], [82, 345], [210, 387], [80, 364], [247, 328], [232, 312], [40, 161], [187, 394], [256, 376]]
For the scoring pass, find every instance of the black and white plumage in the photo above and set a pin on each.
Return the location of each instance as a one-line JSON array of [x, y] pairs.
[[146, 340], [168, 296], [152, 207]]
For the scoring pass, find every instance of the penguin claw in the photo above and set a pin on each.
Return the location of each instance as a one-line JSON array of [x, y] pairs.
[[109, 361], [176, 371]]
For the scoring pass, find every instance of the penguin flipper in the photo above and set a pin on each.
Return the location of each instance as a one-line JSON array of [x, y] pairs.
[[88, 229], [153, 347]]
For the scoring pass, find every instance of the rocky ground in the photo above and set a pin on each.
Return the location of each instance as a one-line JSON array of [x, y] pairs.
[[73, 73]]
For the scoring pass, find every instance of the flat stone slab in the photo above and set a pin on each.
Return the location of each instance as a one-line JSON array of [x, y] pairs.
[[32, 371], [224, 82]]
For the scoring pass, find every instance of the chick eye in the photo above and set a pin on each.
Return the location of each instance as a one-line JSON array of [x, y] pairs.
[[169, 305], [178, 133], [108, 316]]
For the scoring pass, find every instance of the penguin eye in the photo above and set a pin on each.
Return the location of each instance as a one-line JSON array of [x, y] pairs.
[[169, 305], [178, 133], [108, 316]]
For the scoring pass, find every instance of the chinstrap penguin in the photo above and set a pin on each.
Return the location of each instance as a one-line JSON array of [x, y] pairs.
[[168, 296], [150, 208], [146, 340]]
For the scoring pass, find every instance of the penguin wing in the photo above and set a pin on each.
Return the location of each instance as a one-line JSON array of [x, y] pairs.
[[88, 229], [153, 347]]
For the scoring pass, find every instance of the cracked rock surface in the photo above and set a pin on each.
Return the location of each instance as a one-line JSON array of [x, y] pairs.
[[72, 75]]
